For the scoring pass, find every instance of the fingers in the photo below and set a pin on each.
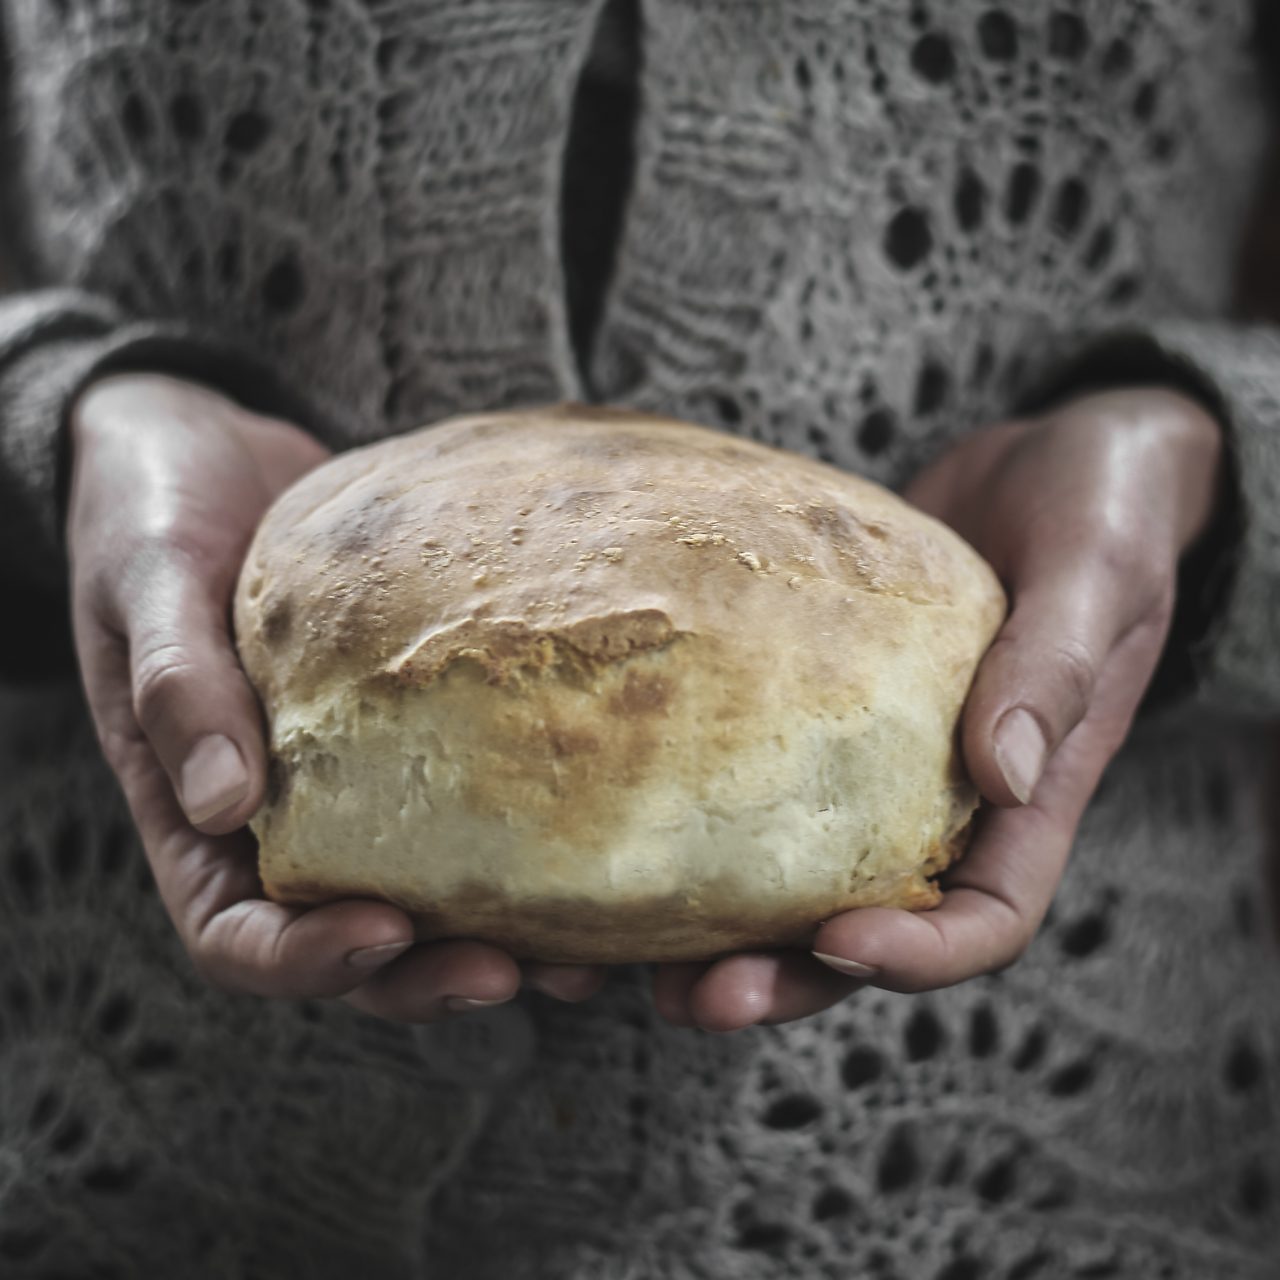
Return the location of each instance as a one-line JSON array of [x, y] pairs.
[[748, 989], [362, 950], [1083, 514], [243, 943], [989, 914], [209, 883], [168, 483], [970, 934], [236, 939], [997, 896], [443, 979], [1071, 608], [438, 979], [672, 987], [190, 696], [359, 949], [262, 948], [993, 906]]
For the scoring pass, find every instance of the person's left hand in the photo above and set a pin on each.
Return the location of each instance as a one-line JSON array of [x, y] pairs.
[[1084, 513], [169, 479]]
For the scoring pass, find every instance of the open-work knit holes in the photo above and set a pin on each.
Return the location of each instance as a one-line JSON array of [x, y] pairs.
[[755, 1231], [924, 1036], [793, 1111], [899, 1164]]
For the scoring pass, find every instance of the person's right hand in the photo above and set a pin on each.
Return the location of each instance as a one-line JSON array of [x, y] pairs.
[[168, 482]]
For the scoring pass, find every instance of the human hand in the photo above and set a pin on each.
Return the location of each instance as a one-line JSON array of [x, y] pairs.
[[1083, 512], [169, 481]]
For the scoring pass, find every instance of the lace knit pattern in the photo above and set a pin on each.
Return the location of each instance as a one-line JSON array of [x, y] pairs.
[[151, 1126], [1105, 1108], [856, 228]]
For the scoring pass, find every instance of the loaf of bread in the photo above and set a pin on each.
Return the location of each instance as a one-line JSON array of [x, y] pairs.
[[602, 687]]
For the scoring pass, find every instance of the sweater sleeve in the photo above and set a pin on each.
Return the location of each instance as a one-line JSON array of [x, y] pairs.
[[53, 342], [1224, 647]]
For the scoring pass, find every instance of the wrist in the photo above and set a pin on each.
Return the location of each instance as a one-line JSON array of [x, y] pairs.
[[1175, 438]]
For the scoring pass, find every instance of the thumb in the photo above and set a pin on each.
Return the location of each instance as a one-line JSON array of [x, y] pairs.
[[1037, 681], [191, 697]]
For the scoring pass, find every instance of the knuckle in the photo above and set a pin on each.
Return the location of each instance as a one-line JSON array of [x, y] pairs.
[[160, 675], [1008, 930], [214, 956], [1077, 666]]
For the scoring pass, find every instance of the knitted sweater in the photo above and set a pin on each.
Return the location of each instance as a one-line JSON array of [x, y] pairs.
[[854, 228]]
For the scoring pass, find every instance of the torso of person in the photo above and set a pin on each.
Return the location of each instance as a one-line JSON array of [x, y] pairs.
[[848, 228]]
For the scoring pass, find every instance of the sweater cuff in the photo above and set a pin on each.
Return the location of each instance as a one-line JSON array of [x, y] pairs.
[[1224, 646], [53, 343]]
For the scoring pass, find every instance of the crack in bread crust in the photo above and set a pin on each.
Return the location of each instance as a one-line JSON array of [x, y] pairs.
[[503, 646]]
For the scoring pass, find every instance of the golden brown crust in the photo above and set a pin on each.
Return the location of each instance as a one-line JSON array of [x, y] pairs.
[[403, 542], [587, 630]]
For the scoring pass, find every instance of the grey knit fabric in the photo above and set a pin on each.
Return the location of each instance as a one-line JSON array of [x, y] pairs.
[[855, 228]]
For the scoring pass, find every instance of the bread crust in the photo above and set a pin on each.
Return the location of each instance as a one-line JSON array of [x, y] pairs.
[[598, 686]]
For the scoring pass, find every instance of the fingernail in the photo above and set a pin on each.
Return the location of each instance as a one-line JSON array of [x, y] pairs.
[[213, 778], [460, 1004], [851, 967], [372, 957], [1020, 751]]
